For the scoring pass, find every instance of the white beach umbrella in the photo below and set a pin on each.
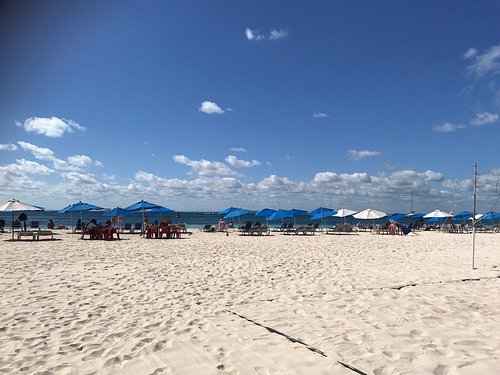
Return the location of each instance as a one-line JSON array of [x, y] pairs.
[[344, 212], [13, 205], [370, 214], [437, 214]]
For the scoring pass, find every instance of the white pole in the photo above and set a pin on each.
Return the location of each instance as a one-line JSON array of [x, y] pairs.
[[474, 218]]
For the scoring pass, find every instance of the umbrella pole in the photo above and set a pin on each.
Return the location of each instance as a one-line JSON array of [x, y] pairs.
[[12, 225]]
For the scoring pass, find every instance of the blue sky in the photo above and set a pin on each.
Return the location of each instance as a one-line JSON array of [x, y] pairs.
[[201, 105]]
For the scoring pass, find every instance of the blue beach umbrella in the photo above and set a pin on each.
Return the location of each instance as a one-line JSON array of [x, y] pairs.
[[161, 211], [319, 210], [462, 215], [279, 214], [79, 207], [141, 206], [265, 212], [396, 216], [321, 215], [237, 213], [117, 212], [416, 216], [228, 210]]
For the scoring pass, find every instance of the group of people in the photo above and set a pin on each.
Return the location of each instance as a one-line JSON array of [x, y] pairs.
[[99, 232]]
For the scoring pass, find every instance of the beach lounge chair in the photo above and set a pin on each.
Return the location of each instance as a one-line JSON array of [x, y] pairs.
[[246, 229], [16, 225], [25, 233], [311, 228], [207, 228], [34, 225], [289, 229], [44, 233]]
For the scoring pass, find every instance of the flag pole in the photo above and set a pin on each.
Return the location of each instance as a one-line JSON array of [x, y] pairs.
[[474, 218]]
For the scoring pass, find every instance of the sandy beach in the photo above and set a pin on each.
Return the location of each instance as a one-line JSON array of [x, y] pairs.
[[216, 304]]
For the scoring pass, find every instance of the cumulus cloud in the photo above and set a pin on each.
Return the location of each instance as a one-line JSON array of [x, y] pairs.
[[253, 35], [75, 162], [484, 118], [50, 127], [278, 34], [471, 52], [204, 167], [447, 127], [358, 155], [238, 163], [320, 115], [488, 62], [210, 108], [8, 147], [238, 149]]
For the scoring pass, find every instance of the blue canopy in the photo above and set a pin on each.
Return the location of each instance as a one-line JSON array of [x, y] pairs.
[[280, 214], [396, 216], [490, 216], [161, 210], [228, 210], [323, 214], [463, 215], [117, 212], [142, 205], [297, 212], [79, 207], [320, 210], [265, 212], [416, 216], [238, 212]]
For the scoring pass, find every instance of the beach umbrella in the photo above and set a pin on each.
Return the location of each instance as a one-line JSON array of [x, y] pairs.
[[416, 216], [490, 216], [265, 212], [79, 207], [297, 212], [13, 205], [344, 212], [462, 214], [370, 214], [141, 206], [436, 213], [396, 216], [228, 210], [320, 210], [321, 215], [117, 212], [279, 214], [161, 211], [237, 213]]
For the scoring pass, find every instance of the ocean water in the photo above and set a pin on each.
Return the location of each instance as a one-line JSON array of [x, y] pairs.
[[192, 219]]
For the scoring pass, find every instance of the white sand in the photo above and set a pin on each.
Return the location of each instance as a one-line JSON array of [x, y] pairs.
[[140, 306]]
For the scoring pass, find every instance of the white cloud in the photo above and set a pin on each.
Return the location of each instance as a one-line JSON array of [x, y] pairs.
[[278, 34], [471, 52], [50, 127], [253, 35], [448, 127], [238, 163], [75, 162], [488, 62], [238, 149], [204, 167], [320, 115], [210, 108], [357, 155], [41, 153], [484, 118], [8, 147], [80, 161]]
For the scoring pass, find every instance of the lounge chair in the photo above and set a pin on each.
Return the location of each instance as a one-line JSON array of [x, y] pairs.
[[25, 233], [16, 225], [2, 225], [340, 228], [127, 227], [40, 233], [311, 228], [34, 225], [246, 229], [207, 228], [289, 229]]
